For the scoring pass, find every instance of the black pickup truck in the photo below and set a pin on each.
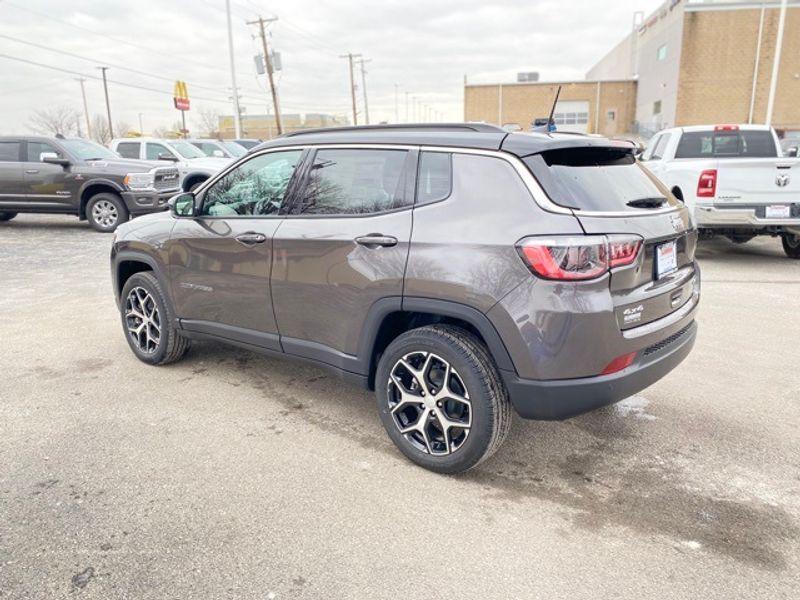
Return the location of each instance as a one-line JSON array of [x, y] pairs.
[[82, 178]]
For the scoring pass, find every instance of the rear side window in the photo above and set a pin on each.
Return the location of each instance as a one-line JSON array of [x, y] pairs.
[[354, 182], [708, 144], [128, 149], [9, 151], [435, 176], [658, 151], [598, 179]]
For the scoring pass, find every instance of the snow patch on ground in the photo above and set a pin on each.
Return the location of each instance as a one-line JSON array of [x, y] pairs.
[[634, 407]]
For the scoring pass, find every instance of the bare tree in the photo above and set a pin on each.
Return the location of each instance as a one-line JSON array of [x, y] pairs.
[[100, 132], [208, 121], [56, 120]]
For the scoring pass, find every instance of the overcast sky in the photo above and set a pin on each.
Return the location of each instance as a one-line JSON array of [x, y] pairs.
[[424, 46]]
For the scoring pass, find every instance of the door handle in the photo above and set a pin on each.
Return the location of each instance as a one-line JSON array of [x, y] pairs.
[[374, 240], [31, 171], [251, 238]]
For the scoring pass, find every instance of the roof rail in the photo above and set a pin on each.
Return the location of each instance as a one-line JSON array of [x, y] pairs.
[[451, 127]]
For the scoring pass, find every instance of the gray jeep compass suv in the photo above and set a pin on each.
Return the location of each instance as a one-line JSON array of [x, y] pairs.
[[457, 270]]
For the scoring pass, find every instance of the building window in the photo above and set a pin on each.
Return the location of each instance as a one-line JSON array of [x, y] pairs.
[[657, 107], [611, 115], [662, 52]]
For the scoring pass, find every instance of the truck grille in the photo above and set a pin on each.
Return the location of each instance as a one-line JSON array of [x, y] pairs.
[[167, 179], [658, 346]]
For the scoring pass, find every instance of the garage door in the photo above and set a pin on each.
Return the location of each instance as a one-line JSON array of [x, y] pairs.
[[572, 115]]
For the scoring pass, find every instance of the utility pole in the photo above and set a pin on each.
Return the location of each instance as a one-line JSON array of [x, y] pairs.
[[407, 107], [268, 60], [85, 108], [773, 84], [141, 127], [237, 123], [350, 56], [364, 87], [396, 105], [108, 105]]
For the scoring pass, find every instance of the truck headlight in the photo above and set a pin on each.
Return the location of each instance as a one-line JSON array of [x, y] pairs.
[[139, 181]]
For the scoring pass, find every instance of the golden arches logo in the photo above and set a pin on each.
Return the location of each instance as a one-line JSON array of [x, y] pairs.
[[181, 96]]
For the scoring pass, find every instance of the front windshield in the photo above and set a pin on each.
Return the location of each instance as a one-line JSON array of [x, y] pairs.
[[235, 149], [186, 150], [86, 150]]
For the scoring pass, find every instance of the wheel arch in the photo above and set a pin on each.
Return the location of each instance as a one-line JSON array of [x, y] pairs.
[[390, 317], [94, 187], [678, 193], [129, 262], [192, 178]]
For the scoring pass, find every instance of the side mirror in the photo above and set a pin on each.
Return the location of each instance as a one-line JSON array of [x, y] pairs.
[[53, 159], [182, 205], [218, 154], [792, 151], [168, 157]]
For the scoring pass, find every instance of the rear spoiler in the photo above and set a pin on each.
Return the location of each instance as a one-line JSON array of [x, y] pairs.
[[528, 144]]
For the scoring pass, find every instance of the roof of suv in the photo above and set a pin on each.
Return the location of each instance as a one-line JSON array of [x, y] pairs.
[[480, 136]]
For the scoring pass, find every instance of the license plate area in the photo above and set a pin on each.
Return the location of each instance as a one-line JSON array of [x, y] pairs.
[[666, 259], [778, 212]]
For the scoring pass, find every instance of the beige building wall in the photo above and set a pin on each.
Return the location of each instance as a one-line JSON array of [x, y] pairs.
[[521, 103], [717, 64]]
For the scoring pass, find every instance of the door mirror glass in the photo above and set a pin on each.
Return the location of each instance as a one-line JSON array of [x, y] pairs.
[[182, 205], [168, 157]]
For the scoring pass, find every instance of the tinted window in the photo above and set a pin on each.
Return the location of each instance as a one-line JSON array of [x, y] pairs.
[[153, 151], [208, 149], [9, 151], [354, 182], [234, 149], [435, 176], [704, 144], [35, 149], [128, 149], [598, 179], [86, 150], [185, 149], [256, 187]]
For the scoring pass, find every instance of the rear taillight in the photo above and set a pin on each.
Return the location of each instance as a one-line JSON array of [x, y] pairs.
[[580, 257], [707, 184]]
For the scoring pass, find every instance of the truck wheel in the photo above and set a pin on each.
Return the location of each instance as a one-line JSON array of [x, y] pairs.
[[196, 185], [791, 245], [441, 399], [7, 216], [148, 322], [105, 212]]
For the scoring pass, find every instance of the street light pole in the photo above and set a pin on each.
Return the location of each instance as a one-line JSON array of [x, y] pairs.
[[108, 104], [236, 112]]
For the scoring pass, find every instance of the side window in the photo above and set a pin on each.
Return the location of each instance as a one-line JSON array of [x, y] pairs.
[[154, 150], [9, 151], [35, 150], [658, 151], [256, 187], [434, 176], [651, 147], [129, 149], [354, 182]]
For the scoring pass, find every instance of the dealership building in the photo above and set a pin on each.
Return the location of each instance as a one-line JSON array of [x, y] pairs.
[[690, 62]]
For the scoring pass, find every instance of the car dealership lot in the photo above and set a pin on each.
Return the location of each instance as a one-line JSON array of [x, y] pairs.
[[231, 475]]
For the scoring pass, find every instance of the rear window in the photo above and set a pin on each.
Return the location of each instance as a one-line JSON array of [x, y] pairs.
[[598, 179], [721, 144]]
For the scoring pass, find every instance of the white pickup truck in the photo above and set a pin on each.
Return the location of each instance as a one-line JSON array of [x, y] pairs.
[[734, 178]]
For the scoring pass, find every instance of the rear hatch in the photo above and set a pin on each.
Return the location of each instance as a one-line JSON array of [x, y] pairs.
[[611, 193], [758, 182]]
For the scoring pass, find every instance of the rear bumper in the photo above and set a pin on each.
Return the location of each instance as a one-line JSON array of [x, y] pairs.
[[749, 217], [140, 202], [564, 398]]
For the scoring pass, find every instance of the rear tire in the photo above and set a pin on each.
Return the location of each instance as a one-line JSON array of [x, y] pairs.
[[791, 245], [105, 212], [444, 428], [148, 321], [7, 216]]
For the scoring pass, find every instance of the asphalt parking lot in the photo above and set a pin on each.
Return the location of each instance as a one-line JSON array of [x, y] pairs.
[[231, 475]]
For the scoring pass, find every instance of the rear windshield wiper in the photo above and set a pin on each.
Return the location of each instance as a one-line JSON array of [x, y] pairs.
[[647, 202]]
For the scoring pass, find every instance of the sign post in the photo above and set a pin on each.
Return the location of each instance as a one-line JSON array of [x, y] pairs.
[[180, 99]]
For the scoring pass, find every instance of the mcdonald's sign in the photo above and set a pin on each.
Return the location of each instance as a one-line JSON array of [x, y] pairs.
[[181, 96]]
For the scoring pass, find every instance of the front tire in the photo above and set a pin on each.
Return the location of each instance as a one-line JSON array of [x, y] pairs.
[[148, 322], [791, 245], [105, 212], [7, 216], [440, 398]]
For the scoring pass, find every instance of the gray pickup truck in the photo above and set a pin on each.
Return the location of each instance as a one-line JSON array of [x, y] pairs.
[[79, 177]]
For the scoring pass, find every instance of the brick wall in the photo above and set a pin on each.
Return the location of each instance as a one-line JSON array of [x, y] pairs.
[[717, 62], [522, 103]]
